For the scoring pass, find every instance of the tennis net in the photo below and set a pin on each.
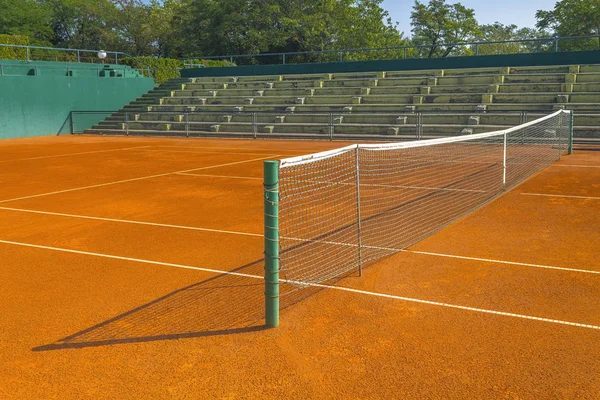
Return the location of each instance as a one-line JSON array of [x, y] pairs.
[[342, 209]]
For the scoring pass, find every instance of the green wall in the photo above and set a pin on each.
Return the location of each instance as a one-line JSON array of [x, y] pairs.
[[40, 105], [504, 60]]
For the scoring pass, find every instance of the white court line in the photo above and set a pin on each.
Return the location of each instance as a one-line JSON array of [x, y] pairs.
[[346, 183], [575, 166], [220, 176], [561, 195], [391, 249], [225, 148], [136, 179], [74, 154], [260, 235], [204, 152], [126, 221], [586, 271], [324, 286]]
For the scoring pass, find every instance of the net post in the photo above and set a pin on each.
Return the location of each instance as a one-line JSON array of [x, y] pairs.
[[358, 212], [504, 161], [571, 118], [271, 210]]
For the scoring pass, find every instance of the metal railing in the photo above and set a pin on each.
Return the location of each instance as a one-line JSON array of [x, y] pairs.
[[59, 54], [107, 70], [328, 125], [74, 55], [551, 44]]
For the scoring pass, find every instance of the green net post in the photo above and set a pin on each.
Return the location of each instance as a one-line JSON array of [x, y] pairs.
[[271, 182], [571, 118]]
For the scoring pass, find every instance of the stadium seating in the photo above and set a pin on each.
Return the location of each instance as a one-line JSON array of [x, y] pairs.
[[406, 104]]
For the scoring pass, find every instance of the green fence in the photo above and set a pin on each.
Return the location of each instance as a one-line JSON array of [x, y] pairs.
[[505, 60]]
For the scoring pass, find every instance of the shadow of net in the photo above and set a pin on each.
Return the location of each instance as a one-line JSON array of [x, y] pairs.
[[224, 304]]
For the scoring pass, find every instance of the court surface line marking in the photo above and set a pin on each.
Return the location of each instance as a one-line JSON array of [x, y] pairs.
[[74, 154], [346, 184], [260, 235], [561, 195], [576, 166], [220, 176], [301, 152], [126, 221], [136, 179], [206, 152], [319, 285]]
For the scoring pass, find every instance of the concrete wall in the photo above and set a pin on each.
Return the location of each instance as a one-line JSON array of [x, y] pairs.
[[504, 60], [40, 105]]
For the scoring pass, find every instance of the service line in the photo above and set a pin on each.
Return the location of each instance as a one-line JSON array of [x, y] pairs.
[[74, 154], [338, 288], [137, 179], [561, 195], [260, 235]]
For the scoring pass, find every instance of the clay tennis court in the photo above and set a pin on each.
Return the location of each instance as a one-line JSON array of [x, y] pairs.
[[131, 268]]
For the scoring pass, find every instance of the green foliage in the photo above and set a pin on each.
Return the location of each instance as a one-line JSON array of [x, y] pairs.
[[498, 32], [163, 69], [183, 29], [13, 53], [438, 25], [272, 26], [573, 18], [26, 17]]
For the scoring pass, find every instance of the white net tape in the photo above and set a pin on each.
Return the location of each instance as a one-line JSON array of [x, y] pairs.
[[347, 207]]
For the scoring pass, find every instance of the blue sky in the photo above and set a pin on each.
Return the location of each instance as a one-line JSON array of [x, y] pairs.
[[518, 12]]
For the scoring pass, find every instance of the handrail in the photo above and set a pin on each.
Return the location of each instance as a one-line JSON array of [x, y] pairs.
[[115, 54], [555, 40]]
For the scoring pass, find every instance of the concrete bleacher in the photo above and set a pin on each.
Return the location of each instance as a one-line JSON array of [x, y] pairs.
[[404, 104]]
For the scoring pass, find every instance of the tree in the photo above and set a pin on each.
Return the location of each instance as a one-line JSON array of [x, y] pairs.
[[223, 27], [84, 24], [498, 32], [573, 18], [134, 26], [26, 17], [439, 25]]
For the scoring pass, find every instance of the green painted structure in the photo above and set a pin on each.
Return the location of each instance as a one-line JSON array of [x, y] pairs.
[[36, 99], [271, 208], [503, 60]]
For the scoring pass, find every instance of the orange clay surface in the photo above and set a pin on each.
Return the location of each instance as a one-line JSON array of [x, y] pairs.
[[121, 317]]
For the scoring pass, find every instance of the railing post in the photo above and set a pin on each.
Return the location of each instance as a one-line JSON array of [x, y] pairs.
[[556, 44], [1, 71], [504, 161], [476, 49], [254, 126], [405, 53], [341, 56], [126, 124], [187, 124], [571, 120], [231, 59], [72, 120], [271, 234], [117, 58], [330, 126], [78, 57], [358, 226], [27, 52], [284, 58]]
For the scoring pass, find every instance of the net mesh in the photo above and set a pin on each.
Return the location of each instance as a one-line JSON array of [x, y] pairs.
[[346, 208]]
